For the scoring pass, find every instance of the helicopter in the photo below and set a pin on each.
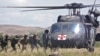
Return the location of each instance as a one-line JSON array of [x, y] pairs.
[[74, 30]]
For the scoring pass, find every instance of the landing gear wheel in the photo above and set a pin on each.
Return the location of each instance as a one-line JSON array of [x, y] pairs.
[[91, 49], [92, 40]]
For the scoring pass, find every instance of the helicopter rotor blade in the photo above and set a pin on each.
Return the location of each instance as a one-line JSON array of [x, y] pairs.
[[40, 9], [97, 5], [67, 6], [33, 7], [93, 5], [61, 7]]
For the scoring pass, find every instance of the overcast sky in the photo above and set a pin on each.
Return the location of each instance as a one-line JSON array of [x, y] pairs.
[[35, 18]]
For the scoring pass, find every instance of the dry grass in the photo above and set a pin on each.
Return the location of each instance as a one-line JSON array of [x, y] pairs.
[[41, 52]]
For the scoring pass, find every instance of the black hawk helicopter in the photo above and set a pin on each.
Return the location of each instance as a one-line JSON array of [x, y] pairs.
[[73, 30]]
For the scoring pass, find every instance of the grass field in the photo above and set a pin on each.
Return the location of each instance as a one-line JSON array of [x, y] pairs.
[[63, 52]]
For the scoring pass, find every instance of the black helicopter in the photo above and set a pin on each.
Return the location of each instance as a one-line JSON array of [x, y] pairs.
[[73, 30], [76, 30]]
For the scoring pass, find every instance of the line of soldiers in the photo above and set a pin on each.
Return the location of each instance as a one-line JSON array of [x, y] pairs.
[[22, 43]]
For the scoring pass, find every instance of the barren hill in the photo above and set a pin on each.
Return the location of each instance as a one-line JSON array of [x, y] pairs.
[[20, 30]]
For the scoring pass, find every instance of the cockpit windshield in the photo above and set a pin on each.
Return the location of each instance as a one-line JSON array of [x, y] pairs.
[[67, 27], [55, 28], [71, 27]]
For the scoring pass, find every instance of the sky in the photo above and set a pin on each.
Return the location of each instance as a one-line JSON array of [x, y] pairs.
[[12, 16]]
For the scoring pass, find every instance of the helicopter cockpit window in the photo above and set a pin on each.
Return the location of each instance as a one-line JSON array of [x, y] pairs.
[[73, 27], [55, 28], [69, 27]]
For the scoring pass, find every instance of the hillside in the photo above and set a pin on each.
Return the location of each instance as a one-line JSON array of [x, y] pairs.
[[19, 30]]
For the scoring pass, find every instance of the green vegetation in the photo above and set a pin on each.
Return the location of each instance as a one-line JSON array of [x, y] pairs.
[[40, 34], [1, 35], [97, 44]]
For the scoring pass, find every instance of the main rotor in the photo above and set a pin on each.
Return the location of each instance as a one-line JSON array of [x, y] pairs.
[[75, 7]]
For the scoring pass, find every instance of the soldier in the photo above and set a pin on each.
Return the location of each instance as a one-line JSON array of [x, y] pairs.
[[18, 41], [6, 39], [33, 41], [4, 43], [24, 43], [45, 38], [14, 41], [13, 44]]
